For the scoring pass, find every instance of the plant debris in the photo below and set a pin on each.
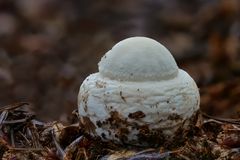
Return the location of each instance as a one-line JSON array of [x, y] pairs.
[[24, 137]]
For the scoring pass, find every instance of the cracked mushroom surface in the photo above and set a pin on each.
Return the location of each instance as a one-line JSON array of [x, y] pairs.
[[139, 96]]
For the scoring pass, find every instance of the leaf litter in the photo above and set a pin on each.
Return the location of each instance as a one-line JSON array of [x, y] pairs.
[[22, 136]]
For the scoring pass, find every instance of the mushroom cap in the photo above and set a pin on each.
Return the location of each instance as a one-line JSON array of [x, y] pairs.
[[138, 59]]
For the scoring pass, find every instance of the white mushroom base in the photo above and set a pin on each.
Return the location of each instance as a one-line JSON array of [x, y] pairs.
[[137, 113]]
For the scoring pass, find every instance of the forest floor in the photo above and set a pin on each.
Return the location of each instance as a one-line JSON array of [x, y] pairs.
[[24, 137], [48, 47]]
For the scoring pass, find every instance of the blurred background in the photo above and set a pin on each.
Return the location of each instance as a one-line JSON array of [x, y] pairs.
[[48, 47]]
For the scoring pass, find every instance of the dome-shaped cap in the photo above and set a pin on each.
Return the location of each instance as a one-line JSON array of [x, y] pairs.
[[138, 59]]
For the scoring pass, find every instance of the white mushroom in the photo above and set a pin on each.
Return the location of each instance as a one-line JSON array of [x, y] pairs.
[[139, 96]]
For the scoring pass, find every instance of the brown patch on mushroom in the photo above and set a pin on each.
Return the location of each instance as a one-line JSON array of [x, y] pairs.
[[123, 131], [144, 129], [118, 123], [136, 115], [123, 134], [115, 119], [103, 135], [101, 84], [85, 100], [99, 123], [154, 137], [87, 124], [121, 95], [145, 136], [174, 116], [114, 114], [186, 131], [121, 126]]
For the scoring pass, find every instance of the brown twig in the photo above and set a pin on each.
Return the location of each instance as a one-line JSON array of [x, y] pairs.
[[226, 120], [13, 106]]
